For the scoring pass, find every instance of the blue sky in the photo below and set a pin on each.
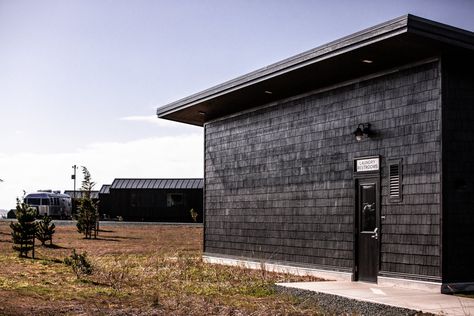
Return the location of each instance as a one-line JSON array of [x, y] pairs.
[[80, 80]]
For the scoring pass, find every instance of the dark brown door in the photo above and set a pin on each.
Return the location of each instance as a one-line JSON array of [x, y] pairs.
[[368, 243]]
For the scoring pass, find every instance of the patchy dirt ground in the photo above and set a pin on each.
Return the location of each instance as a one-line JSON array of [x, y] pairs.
[[138, 270]]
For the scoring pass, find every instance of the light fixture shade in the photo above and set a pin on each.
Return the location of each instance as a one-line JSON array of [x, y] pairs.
[[359, 134], [362, 130]]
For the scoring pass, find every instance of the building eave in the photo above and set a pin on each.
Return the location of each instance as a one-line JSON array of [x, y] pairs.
[[321, 66]]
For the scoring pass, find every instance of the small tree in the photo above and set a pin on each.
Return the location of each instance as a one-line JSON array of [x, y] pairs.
[[87, 214], [24, 230], [45, 230], [194, 215], [79, 263]]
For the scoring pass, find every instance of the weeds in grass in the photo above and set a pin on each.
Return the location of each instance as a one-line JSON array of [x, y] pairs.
[[164, 276], [176, 282], [115, 271]]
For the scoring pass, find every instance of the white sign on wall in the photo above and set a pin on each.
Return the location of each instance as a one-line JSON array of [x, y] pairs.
[[370, 164]]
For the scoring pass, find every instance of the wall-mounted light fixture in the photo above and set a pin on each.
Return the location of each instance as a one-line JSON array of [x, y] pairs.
[[362, 130]]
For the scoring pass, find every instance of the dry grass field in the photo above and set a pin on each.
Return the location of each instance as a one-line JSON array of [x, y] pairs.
[[138, 270]]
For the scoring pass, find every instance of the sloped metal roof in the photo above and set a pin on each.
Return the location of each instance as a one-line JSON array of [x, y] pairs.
[[400, 41], [195, 183], [105, 189]]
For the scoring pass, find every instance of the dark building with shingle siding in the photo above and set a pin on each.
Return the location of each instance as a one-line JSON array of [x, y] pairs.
[[288, 168], [287, 182], [163, 200]]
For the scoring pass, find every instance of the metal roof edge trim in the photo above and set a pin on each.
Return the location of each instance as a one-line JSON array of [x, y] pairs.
[[444, 31], [361, 38], [118, 183], [441, 32], [406, 23]]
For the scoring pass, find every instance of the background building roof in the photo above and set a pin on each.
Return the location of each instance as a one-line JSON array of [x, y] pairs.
[[105, 189], [157, 184]]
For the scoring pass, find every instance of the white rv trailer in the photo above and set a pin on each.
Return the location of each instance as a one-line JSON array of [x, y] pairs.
[[51, 203]]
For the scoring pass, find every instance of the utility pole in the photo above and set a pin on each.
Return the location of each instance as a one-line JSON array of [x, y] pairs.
[[73, 177]]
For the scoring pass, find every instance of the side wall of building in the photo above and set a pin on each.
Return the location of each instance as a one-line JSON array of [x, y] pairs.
[[152, 205], [279, 180], [105, 205], [458, 169]]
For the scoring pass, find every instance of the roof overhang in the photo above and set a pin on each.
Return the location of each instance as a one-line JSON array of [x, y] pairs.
[[388, 45]]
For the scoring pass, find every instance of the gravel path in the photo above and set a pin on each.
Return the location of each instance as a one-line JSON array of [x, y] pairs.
[[338, 305]]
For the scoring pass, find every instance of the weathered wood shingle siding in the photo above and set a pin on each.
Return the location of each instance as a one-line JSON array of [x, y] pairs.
[[458, 169], [279, 180]]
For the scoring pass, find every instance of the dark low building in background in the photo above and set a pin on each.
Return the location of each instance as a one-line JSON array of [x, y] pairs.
[[78, 194], [354, 158], [161, 200], [104, 202], [94, 195], [11, 213]]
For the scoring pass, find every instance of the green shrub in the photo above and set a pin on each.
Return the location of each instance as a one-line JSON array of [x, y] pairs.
[[79, 263]]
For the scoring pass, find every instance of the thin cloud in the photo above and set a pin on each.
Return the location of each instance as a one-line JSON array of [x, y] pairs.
[[157, 157], [153, 119]]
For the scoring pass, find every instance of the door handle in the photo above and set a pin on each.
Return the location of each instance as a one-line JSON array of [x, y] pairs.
[[376, 234]]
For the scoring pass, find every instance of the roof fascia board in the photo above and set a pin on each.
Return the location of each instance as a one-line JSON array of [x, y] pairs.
[[441, 32], [334, 48], [263, 78], [408, 23]]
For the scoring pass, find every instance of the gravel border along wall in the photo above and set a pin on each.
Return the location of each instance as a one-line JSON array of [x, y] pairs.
[[337, 305]]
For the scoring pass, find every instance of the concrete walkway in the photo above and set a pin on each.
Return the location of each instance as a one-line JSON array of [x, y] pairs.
[[418, 300]]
